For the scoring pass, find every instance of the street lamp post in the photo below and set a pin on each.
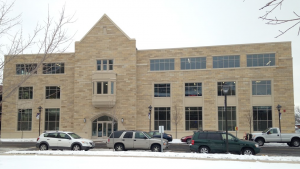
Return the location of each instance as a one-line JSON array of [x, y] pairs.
[[149, 115], [278, 108], [225, 91], [40, 115]]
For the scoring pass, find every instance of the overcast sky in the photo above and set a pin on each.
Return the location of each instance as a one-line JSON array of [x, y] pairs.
[[172, 23]]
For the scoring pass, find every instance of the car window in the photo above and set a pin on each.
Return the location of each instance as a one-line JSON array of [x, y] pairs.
[[274, 131], [214, 136], [151, 133], [230, 137], [52, 135], [147, 134], [139, 135], [202, 136], [75, 136], [63, 136], [128, 135], [116, 134]]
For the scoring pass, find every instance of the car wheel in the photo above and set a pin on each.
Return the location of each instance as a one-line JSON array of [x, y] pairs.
[[188, 141], [156, 148], [289, 144], [119, 147], [43, 147], [204, 150], [295, 142], [247, 151], [76, 147], [260, 142]]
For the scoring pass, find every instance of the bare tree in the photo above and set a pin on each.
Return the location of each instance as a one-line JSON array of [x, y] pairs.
[[54, 41], [273, 20], [176, 117], [297, 114], [249, 117]]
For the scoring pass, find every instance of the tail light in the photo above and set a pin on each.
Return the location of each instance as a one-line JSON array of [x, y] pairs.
[[37, 139], [193, 142], [108, 140]]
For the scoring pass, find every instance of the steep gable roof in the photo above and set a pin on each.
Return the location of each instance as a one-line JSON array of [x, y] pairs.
[[105, 16]]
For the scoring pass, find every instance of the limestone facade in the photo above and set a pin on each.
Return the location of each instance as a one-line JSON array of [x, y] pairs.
[[131, 87]]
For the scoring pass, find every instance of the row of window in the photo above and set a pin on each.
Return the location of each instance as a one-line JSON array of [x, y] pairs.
[[52, 92], [48, 68], [262, 118], [231, 61], [195, 89]]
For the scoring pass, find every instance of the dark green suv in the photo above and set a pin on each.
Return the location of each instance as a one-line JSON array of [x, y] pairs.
[[215, 142]]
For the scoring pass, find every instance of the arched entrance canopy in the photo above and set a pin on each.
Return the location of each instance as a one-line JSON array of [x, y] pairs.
[[103, 126]]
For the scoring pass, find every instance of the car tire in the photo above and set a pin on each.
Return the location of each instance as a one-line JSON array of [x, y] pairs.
[[119, 147], [43, 147], [76, 147], [260, 141], [156, 148], [247, 151], [295, 142], [289, 144], [204, 150], [188, 141]]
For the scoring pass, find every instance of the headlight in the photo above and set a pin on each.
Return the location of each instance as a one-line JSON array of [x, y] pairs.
[[256, 145], [253, 136], [84, 142]]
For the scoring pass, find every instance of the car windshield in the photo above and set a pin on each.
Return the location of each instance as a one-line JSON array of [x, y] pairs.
[[147, 134], [266, 130], [75, 136]]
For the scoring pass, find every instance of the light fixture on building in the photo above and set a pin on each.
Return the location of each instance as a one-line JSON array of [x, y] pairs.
[[84, 120], [122, 120]]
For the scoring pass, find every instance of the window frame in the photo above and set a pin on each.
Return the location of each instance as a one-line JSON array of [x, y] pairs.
[[196, 85], [192, 63], [162, 64], [108, 66], [48, 94], [27, 68], [59, 68], [226, 60], [28, 121], [111, 87], [261, 60], [230, 110], [158, 88], [30, 91], [199, 112], [56, 121], [266, 92], [158, 122], [269, 118], [231, 92]]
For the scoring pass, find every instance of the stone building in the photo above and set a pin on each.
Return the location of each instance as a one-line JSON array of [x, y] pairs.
[[108, 84]]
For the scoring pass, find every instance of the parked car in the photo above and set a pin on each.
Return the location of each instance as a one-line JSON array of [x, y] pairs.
[[63, 140], [215, 142], [187, 139], [156, 134], [134, 140], [273, 135]]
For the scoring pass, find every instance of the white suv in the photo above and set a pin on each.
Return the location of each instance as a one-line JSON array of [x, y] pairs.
[[63, 140]]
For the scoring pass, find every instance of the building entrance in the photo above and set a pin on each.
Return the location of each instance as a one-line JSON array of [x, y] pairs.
[[103, 126]]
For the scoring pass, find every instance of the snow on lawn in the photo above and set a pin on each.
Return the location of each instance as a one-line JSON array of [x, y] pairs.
[[18, 140], [50, 162]]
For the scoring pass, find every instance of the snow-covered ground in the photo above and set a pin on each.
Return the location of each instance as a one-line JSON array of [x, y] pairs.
[[139, 159]]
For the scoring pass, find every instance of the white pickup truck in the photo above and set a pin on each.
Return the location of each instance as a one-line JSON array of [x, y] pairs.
[[273, 135]]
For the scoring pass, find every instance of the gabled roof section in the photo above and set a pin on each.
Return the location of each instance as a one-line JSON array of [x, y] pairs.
[[111, 22]]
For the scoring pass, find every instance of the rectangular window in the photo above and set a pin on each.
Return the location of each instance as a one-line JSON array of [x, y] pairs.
[[52, 119], [52, 92], [226, 61], [162, 90], [162, 118], [24, 69], [53, 68], [231, 118], [193, 118], [112, 87], [267, 59], [193, 63], [105, 64], [25, 92], [231, 91], [24, 119], [193, 89], [102, 87], [262, 117], [261, 87], [161, 64]]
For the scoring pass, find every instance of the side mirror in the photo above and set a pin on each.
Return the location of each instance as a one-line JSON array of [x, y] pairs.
[[268, 132]]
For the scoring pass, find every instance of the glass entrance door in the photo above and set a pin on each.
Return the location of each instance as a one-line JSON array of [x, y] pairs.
[[104, 129], [100, 129]]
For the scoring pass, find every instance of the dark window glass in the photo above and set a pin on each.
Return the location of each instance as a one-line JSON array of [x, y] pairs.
[[105, 64], [25, 92], [162, 90], [214, 136], [24, 119], [162, 118], [262, 117], [128, 135], [226, 61], [52, 92], [231, 91], [52, 119], [193, 63], [231, 118], [24, 69], [116, 134], [161, 64], [193, 118], [53, 68], [261, 87], [99, 87], [193, 89], [267, 59], [202, 135]]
